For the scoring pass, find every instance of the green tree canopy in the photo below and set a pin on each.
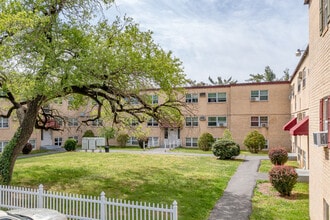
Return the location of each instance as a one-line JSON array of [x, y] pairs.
[[221, 81], [52, 49]]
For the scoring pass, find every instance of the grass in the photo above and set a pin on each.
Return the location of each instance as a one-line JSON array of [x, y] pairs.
[[266, 165], [191, 150], [271, 207], [196, 183]]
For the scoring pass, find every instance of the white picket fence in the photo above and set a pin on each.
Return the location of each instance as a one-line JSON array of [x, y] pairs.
[[85, 207]]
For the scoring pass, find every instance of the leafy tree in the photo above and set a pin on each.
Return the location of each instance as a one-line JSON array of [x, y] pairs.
[[256, 78], [108, 133], [89, 133], [286, 76], [267, 76], [254, 141], [54, 49], [221, 81]]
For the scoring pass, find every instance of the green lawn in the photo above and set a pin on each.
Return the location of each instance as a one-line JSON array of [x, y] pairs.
[[267, 204], [195, 182], [266, 165], [270, 206]]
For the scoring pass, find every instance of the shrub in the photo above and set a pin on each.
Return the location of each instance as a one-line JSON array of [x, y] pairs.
[[283, 178], [254, 141], [122, 139], [70, 144], [89, 133], [227, 134], [278, 155], [225, 149], [27, 148], [205, 141]]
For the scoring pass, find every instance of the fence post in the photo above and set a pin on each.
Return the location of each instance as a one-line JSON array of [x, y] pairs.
[[102, 204], [40, 196], [175, 210]]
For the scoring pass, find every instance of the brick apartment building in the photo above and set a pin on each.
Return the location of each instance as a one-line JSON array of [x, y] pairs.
[[239, 107], [316, 102]]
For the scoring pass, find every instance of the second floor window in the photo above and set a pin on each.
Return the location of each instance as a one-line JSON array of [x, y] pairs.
[[73, 122], [97, 122], [4, 122], [217, 97], [259, 95], [217, 121], [154, 99], [191, 121], [152, 122], [191, 98], [259, 121]]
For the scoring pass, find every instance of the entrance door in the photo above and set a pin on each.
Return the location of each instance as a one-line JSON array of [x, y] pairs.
[[172, 135], [46, 138]]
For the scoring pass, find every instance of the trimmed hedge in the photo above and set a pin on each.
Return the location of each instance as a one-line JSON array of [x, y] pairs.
[[278, 155], [225, 149], [70, 144], [283, 178], [205, 141]]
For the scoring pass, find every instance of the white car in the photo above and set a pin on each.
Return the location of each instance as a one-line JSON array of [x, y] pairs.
[[32, 214]]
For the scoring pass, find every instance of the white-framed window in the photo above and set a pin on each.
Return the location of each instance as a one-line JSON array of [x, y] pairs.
[[191, 121], [326, 210], [304, 78], [217, 97], [152, 122], [259, 121], [134, 122], [3, 145], [217, 121], [192, 98], [72, 122], [191, 142], [33, 142], [266, 145], [98, 122], [154, 99], [153, 141], [4, 122], [259, 95], [59, 121], [324, 15], [132, 141], [58, 141]]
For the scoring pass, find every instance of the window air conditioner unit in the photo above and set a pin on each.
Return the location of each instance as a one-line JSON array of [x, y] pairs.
[[222, 124], [254, 99], [202, 118], [202, 94], [320, 138], [265, 125]]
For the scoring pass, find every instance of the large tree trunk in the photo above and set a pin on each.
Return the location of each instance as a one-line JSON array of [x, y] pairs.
[[27, 117]]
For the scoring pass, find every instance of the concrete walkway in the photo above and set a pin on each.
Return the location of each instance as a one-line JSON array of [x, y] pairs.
[[235, 202]]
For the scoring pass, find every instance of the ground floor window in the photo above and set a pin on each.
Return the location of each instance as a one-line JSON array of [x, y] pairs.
[[325, 210], [58, 141], [191, 142], [132, 141], [33, 143], [2, 145], [153, 141]]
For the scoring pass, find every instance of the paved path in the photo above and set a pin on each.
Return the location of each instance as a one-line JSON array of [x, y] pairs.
[[235, 202]]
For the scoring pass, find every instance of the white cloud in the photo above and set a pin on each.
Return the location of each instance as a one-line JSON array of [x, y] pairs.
[[225, 38]]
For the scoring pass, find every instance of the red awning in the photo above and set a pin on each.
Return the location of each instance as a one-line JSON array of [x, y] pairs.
[[301, 128], [290, 124]]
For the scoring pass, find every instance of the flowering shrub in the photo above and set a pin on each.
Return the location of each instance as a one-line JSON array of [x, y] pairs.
[[278, 155], [283, 179]]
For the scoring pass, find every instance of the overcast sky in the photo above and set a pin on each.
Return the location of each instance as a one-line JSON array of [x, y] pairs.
[[224, 37]]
